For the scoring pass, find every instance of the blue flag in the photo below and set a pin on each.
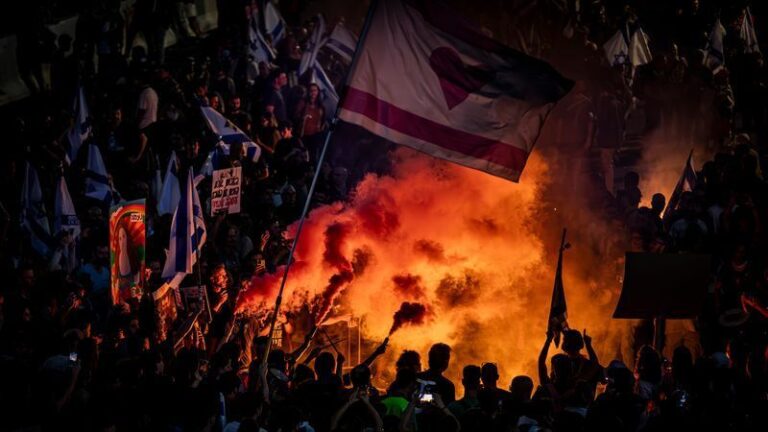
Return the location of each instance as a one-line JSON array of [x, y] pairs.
[[34, 221], [170, 193], [66, 222], [81, 128], [228, 134], [188, 233], [96, 179]]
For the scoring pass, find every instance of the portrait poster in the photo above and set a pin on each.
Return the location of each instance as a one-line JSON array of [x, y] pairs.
[[165, 311], [127, 246]]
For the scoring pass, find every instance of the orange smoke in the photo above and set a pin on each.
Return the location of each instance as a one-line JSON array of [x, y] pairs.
[[461, 243]]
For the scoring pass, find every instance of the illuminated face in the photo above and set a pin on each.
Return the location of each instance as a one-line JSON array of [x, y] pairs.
[[314, 92], [122, 238], [219, 278]]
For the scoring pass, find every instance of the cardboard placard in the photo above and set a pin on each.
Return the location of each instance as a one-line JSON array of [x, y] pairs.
[[226, 191]]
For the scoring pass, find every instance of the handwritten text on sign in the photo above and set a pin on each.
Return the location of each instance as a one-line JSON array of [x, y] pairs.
[[225, 193]]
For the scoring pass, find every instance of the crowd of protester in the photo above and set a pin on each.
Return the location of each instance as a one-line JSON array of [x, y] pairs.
[[69, 360]]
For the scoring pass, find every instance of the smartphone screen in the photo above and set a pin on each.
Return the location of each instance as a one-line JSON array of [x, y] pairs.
[[73, 356]]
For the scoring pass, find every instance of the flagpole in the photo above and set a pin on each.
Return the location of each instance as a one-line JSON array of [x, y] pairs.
[[305, 210]]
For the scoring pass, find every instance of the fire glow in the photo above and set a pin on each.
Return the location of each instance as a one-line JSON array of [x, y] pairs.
[[459, 244]]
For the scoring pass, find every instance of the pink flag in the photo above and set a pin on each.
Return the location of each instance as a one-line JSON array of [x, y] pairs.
[[426, 79]]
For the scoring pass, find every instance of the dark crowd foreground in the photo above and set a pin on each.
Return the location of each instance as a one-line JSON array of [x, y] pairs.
[[71, 361]]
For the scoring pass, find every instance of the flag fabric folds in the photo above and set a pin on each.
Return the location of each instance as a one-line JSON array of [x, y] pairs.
[[558, 311], [686, 183], [228, 134], [257, 45], [628, 47], [34, 220], [316, 41], [714, 58], [342, 42], [188, 233], [81, 127], [65, 221], [329, 97], [448, 90], [274, 22], [96, 178], [170, 194], [748, 35]]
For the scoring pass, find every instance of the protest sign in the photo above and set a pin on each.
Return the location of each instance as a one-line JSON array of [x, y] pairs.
[[226, 191]]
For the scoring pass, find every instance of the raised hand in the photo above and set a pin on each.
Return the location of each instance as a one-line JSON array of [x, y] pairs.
[[587, 338]]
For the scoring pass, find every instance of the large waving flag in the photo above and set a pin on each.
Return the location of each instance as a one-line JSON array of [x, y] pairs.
[[426, 79], [686, 183], [257, 45], [188, 233], [34, 221], [170, 194], [96, 178], [81, 128], [342, 41], [316, 41], [714, 57], [748, 35], [274, 22], [65, 221], [229, 134]]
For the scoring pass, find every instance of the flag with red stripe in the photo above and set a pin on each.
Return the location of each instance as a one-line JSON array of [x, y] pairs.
[[427, 79]]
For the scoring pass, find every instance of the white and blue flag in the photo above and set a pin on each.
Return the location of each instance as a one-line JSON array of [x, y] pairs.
[[342, 41], [258, 47], [188, 233], [316, 40], [65, 221], [97, 180], [34, 220], [329, 97], [81, 128], [170, 193], [274, 23], [628, 47], [714, 59], [228, 134], [748, 35]]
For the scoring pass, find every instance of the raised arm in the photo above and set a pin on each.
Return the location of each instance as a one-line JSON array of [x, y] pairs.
[[381, 349], [588, 346]]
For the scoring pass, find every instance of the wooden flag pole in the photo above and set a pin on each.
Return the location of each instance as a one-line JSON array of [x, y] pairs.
[[305, 210]]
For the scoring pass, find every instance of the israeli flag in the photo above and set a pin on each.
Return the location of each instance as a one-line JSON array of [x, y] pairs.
[[713, 56], [315, 42], [34, 221], [65, 221], [328, 93], [686, 183], [81, 128], [343, 42], [188, 233], [170, 193], [617, 49], [96, 178], [258, 47], [228, 134], [274, 23], [628, 47], [748, 35]]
